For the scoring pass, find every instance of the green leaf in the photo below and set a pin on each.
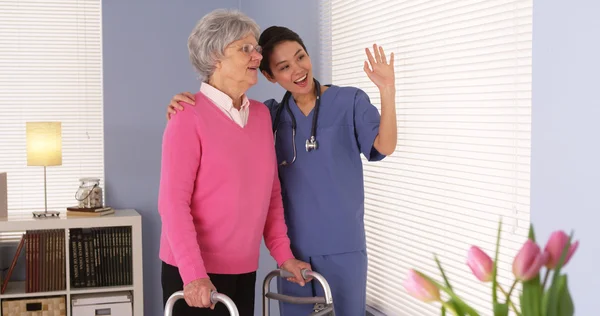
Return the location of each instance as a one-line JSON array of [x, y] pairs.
[[531, 299], [455, 307], [451, 306], [500, 309], [552, 296], [565, 302], [495, 268], [437, 261], [464, 308], [531, 233], [545, 304]]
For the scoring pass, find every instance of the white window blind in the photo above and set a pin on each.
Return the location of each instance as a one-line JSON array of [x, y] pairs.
[[50, 70], [463, 73]]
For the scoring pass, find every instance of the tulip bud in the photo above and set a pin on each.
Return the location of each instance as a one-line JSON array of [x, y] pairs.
[[481, 264], [529, 261], [555, 246], [421, 288]]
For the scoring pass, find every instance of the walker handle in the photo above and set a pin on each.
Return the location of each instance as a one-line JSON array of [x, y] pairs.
[[326, 300], [215, 297], [305, 274]]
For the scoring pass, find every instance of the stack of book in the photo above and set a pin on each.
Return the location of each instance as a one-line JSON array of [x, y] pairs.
[[94, 211], [100, 257], [44, 261]]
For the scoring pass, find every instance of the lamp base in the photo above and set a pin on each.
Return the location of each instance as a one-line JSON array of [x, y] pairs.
[[46, 214]]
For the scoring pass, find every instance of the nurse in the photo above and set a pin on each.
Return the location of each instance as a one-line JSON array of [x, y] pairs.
[[321, 131]]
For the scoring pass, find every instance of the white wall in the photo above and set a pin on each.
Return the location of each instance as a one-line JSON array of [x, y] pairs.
[[565, 145]]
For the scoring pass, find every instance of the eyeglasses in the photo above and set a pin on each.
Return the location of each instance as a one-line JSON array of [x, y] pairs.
[[248, 48]]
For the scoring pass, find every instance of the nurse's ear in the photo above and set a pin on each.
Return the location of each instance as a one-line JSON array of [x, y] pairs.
[[269, 77]]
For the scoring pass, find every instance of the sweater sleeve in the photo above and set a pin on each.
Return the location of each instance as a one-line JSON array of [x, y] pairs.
[[275, 232], [181, 152]]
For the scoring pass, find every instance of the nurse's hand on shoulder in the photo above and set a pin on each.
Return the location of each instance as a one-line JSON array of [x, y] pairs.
[[295, 266], [197, 293], [381, 72], [174, 106]]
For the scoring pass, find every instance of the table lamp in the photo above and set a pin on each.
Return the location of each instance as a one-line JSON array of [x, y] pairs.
[[44, 148]]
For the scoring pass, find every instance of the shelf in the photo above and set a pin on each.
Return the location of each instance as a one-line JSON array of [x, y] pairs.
[[122, 218], [103, 289], [22, 222], [17, 290]]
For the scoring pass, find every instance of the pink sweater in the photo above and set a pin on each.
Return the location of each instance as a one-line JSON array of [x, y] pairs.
[[219, 192]]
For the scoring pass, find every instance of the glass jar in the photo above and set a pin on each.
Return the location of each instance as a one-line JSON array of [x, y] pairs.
[[89, 194]]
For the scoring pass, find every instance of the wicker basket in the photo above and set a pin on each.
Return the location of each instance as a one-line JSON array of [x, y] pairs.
[[35, 306]]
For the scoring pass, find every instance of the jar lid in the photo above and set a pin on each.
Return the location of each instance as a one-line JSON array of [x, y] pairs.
[[89, 179]]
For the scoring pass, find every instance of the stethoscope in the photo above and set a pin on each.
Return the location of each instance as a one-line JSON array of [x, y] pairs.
[[311, 143]]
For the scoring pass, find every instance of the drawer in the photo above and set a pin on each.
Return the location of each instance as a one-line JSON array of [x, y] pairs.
[[35, 306]]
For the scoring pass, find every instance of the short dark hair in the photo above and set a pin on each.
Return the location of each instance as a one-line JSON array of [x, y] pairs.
[[270, 38]]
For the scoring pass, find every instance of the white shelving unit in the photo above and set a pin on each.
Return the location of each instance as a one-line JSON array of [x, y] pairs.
[[121, 218]]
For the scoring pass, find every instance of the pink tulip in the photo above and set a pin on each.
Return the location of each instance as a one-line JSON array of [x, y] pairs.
[[421, 288], [529, 261], [555, 246], [481, 264]]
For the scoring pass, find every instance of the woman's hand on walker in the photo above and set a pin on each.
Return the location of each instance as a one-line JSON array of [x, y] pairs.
[[197, 293], [295, 267]]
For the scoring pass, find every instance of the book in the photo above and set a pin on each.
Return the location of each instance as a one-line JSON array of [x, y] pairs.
[[88, 209], [45, 260], [100, 257], [90, 214]]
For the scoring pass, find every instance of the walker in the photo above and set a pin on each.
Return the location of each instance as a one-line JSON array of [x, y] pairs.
[[323, 305]]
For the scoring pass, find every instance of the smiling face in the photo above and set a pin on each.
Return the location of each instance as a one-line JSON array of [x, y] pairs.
[[291, 67], [240, 63]]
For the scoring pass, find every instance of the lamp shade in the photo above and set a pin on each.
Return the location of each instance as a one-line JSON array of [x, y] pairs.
[[44, 143]]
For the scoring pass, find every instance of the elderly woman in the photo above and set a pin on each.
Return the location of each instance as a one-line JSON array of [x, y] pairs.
[[219, 188]]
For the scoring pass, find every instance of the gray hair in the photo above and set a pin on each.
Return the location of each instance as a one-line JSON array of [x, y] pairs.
[[210, 36]]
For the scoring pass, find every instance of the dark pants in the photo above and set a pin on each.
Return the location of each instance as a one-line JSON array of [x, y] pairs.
[[239, 287]]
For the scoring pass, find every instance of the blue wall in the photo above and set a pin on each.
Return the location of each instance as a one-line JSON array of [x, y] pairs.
[[565, 130], [145, 64]]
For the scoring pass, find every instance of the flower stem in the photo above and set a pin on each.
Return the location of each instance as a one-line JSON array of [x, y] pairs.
[[508, 298], [545, 279], [511, 289], [449, 307]]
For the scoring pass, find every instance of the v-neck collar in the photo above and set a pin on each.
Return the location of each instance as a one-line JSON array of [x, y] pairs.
[[225, 116], [296, 109]]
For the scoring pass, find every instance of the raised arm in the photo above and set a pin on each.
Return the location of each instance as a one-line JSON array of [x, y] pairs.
[[382, 74]]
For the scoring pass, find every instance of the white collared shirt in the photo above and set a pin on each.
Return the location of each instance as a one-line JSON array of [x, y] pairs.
[[224, 102]]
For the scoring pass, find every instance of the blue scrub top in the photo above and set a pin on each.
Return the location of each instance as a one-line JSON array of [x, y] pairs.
[[323, 190]]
